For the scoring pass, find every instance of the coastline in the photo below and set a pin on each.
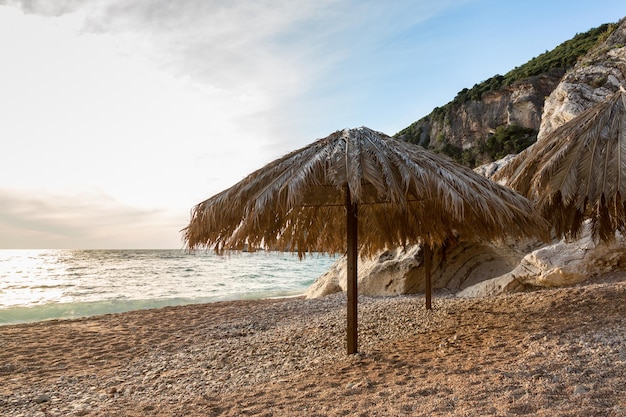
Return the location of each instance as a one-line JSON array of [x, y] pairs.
[[554, 352], [56, 283], [80, 310]]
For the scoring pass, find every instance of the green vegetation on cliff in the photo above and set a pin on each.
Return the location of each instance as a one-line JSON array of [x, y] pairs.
[[512, 138], [507, 139], [560, 58]]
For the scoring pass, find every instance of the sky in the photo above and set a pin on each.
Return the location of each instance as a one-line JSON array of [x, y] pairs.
[[118, 116]]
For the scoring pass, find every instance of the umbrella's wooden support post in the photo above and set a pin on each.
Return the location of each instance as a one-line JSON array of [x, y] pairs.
[[352, 291], [427, 284]]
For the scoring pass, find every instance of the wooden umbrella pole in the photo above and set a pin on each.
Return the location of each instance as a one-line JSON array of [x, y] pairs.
[[427, 284], [352, 291]]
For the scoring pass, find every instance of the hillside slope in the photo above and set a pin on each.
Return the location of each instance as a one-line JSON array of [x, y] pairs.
[[504, 113]]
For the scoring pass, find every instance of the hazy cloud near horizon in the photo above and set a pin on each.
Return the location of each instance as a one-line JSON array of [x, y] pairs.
[[75, 222]]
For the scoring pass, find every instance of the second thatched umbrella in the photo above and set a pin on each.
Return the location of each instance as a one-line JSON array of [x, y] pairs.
[[578, 171], [309, 200]]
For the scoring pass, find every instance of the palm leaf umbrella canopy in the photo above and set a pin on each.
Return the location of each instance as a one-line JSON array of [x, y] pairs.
[[308, 201], [578, 172]]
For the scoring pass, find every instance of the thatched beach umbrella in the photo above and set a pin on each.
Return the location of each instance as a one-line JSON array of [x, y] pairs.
[[309, 200], [578, 171]]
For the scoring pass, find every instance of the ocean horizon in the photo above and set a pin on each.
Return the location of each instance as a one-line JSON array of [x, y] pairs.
[[44, 284]]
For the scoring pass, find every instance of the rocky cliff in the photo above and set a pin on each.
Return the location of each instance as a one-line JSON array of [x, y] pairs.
[[464, 127], [485, 268], [597, 75]]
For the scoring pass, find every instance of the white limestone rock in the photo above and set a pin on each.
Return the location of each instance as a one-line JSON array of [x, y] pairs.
[[560, 264], [499, 285], [401, 270], [488, 170], [392, 272], [593, 78]]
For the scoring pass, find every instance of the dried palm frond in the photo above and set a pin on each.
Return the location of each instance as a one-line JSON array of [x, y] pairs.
[[403, 192], [578, 171]]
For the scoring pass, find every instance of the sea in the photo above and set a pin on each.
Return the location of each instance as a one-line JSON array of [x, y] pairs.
[[38, 285]]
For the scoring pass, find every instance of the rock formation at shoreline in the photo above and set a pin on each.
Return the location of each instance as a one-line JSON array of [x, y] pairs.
[[401, 271]]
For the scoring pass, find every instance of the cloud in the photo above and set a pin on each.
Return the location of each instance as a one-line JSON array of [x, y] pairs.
[[298, 61], [271, 47], [50, 8], [82, 221], [160, 104], [85, 111], [232, 43]]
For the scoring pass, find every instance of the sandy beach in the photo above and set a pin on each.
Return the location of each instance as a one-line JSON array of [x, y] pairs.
[[554, 352]]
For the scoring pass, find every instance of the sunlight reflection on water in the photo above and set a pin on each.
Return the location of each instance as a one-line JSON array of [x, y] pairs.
[[50, 281]]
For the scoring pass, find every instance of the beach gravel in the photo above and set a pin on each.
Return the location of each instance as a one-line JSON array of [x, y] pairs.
[[554, 352]]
